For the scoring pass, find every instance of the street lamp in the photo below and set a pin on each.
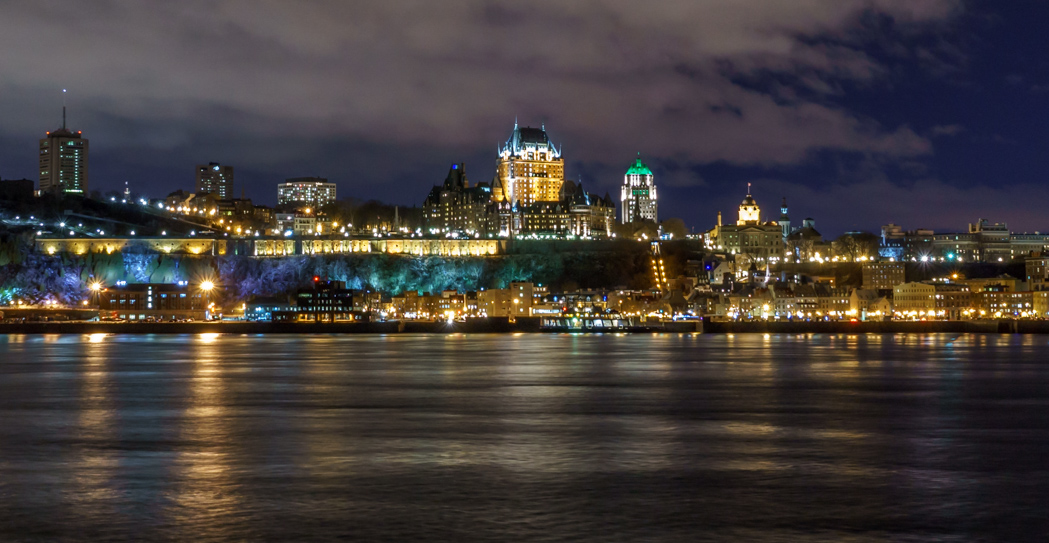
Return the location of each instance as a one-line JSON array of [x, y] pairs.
[[207, 287], [96, 288]]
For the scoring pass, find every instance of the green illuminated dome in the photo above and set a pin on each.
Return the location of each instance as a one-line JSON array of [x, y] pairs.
[[639, 168]]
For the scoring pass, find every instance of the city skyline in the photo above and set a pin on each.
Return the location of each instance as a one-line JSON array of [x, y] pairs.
[[794, 104]]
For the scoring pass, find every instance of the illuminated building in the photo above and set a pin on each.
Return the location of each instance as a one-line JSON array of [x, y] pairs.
[[214, 178], [639, 194], [327, 301], [983, 242], [761, 242], [314, 192], [1040, 303], [455, 206], [529, 169], [953, 301], [914, 299], [883, 275], [576, 213], [156, 301], [749, 211], [515, 301], [63, 161], [784, 220], [299, 224], [997, 302], [589, 215], [1038, 271]]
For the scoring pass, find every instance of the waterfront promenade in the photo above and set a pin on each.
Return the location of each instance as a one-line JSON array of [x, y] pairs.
[[525, 325]]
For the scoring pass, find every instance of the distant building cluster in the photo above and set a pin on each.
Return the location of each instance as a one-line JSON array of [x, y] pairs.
[[530, 197]]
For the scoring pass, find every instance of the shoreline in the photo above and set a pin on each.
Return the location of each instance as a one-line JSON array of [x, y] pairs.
[[528, 325]]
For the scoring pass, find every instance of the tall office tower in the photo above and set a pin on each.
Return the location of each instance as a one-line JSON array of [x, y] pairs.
[[312, 192], [216, 179], [529, 169], [63, 161], [639, 194]]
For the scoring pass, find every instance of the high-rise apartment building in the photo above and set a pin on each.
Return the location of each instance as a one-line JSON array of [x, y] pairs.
[[214, 178], [63, 161], [639, 194], [312, 192], [529, 169]]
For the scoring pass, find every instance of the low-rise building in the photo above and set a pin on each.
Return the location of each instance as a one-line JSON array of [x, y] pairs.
[[159, 301], [1038, 271], [953, 301], [1040, 303], [327, 301], [911, 300], [998, 303], [514, 301]]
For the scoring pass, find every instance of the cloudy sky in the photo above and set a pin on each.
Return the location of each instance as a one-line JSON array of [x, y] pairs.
[[926, 113]]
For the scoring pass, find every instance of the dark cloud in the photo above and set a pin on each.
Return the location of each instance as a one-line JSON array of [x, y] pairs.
[[380, 95]]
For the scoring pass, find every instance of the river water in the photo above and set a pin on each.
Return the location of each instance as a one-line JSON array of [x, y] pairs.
[[524, 438]]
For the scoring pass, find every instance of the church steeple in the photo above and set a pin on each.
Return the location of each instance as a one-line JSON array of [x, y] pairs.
[[784, 219]]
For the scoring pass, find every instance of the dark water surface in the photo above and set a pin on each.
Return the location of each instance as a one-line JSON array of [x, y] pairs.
[[524, 438]]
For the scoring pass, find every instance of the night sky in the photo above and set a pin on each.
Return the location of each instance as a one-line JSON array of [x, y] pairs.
[[926, 113]]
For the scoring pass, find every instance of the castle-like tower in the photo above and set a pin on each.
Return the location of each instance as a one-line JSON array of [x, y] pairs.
[[529, 169], [638, 194]]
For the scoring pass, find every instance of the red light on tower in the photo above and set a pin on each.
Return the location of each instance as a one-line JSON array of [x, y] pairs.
[[316, 278]]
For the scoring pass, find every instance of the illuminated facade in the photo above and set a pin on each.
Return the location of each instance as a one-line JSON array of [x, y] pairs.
[[784, 219], [529, 169], [639, 194], [274, 246], [883, 275], [314, 192], [214, 178], [762, 242], [455, 206], [63, 161], [589, 215], [749, 212]]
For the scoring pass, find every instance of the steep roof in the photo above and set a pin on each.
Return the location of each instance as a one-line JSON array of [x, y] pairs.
[[456, 179], [638, 168], [524, 136]]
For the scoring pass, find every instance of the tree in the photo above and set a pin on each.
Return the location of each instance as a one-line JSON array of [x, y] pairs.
[[675, 227]]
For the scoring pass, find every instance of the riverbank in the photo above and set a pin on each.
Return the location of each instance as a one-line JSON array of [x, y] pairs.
[[526, 325]]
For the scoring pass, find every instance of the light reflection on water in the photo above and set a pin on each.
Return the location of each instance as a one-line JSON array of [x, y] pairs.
[[523, 437]]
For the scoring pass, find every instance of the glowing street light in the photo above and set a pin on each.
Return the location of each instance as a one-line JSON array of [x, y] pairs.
[[207, 286]]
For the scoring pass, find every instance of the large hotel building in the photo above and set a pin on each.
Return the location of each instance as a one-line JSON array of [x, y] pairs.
[[529, 169]]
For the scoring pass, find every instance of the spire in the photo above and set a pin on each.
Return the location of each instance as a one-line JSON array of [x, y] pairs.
[[748, 189], [63, 109]]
